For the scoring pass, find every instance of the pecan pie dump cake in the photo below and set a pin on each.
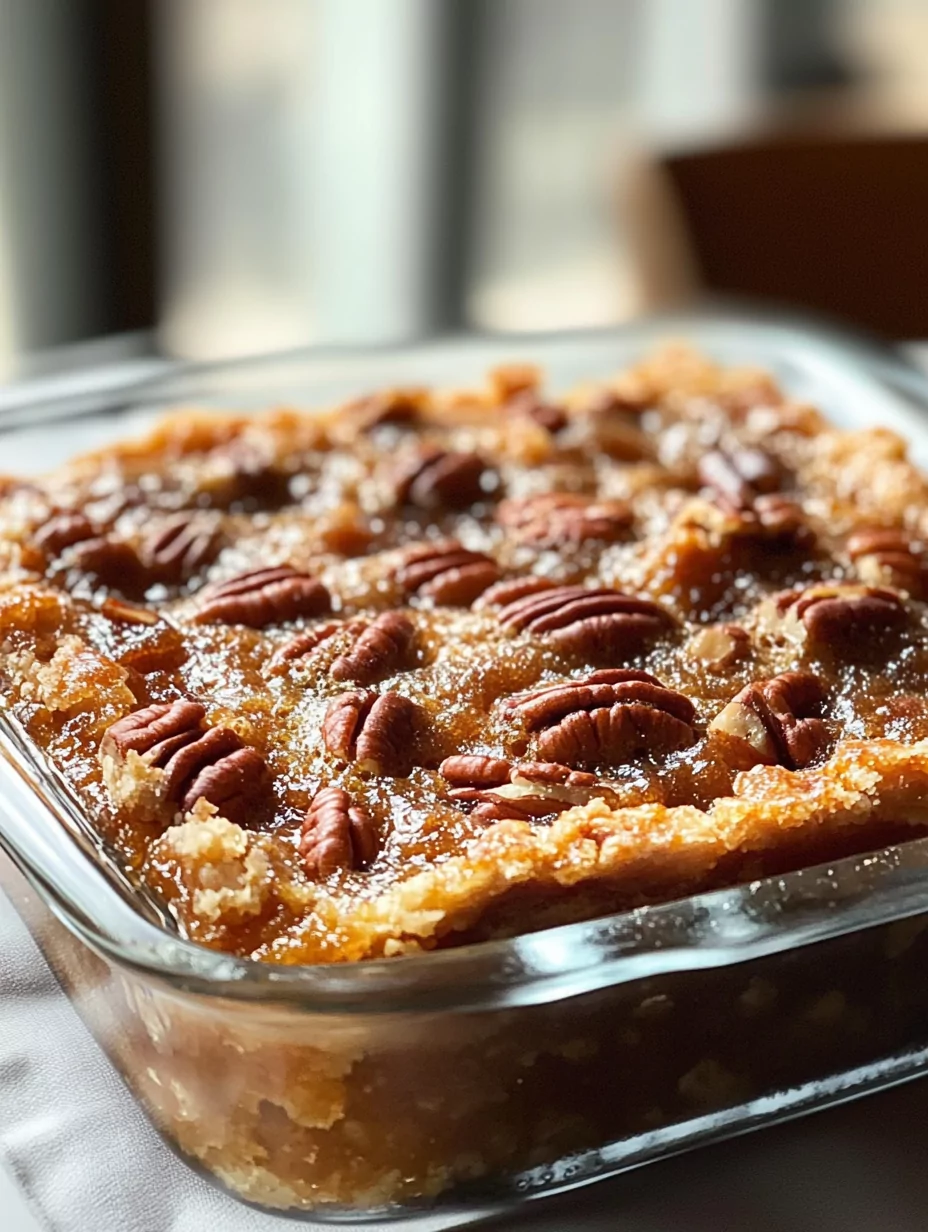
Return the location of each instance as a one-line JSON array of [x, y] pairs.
[[437, 667]]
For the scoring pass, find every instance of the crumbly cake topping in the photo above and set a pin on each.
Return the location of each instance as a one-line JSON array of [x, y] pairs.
[[434, 667]]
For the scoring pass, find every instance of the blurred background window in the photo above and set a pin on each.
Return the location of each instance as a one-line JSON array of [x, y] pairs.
[[231, 176]]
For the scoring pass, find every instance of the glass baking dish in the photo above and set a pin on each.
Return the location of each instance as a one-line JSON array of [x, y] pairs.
[[471, 1079]]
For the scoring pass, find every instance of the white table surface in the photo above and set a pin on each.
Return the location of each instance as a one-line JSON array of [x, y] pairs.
[[862, 1167]]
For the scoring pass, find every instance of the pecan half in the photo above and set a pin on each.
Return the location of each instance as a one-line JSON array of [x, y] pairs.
[[110, 561], [247, 474], [435, 479], [400, 408], [852, 618], [605, 718], [777, 517], [564, 519], [887, 554], [552, 773], [127, 613], [303, 645], [528, 405], [344, 529], [612, 423], [491, 806], [336, 834], [740, 475], [376, 732], [511, 589], [220, 769], [501, 791], [447, 573], [144, 730], [62, 530], [474, 770], [261, 597], [717, 647], [382, 648], [209, 763], [777, 718], [597, 623], [181, 546], [745, 484]]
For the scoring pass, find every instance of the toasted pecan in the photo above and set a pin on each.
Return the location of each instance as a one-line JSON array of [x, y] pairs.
[[509, 590], [303, 644], [121, 612], [615, 402], [435, 478], [181, 545], [745, 483], [336, 834], [597, 623], [528, 405], [613, 418], [492, 806], [777, 717], [500, 791], [62, 529], [143, 730], [382, 647], [198, 762], [261, 597], [474, 770], [850, 619], [374, 731], [377, 648], [564, 519], [391, 407], [740, 475], [887, 554], [109, 560], [605, 718], [774, 516], [446, 573], [552, 773], [233, 780], [717, 647]]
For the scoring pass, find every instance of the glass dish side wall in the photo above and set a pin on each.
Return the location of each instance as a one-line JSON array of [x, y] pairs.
[[362, 1114]]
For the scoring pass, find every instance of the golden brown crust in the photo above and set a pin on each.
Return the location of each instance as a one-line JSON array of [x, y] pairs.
[[650, 853]]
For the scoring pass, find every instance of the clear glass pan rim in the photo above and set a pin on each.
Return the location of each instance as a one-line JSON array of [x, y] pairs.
[[66, 396], [714, 929]]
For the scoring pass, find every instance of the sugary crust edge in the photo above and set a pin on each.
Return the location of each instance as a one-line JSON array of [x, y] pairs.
[[646, 852]]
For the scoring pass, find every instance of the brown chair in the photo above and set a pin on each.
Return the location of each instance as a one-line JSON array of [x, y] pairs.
[[838, 226]]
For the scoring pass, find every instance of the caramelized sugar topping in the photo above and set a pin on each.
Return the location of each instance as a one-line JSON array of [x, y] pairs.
[[336, 684]]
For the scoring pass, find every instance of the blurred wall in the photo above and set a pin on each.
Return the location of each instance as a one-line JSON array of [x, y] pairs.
[[50, 283], [239, 175]]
